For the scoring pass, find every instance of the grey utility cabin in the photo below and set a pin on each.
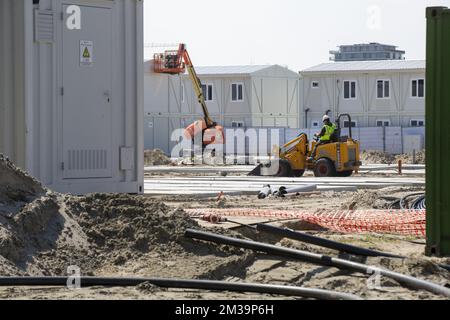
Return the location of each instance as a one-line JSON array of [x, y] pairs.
[[71, 92]]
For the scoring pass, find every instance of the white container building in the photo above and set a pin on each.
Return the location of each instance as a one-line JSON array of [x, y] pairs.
[[71, 88], [375, 93], [253, 96]]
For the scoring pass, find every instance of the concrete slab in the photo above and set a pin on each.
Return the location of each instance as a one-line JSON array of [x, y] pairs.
[[243, 169], [242, 185]]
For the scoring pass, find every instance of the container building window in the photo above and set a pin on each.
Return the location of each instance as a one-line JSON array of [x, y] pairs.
[[237, 92], [207, 92], [383, 89], [237, 124], [418, 88], [383, 123], [417, 123], [349, 89], [346, 124]]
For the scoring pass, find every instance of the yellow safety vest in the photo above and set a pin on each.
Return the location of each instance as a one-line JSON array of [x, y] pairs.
[[329, 130]]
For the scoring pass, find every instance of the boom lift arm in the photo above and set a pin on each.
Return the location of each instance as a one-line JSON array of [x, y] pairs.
[[176, 62], [196, 83]]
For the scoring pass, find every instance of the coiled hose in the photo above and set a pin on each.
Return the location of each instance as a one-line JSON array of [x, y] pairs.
[[417, 202]]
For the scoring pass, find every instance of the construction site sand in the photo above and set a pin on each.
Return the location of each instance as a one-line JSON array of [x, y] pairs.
[[156, 157], [380, 157], [42, 233], [313, 201], [408, 158]]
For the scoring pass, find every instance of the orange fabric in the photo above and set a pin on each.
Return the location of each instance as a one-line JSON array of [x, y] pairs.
[[406, 222]]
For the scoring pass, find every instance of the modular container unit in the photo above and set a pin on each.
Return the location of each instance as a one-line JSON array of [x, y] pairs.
[[375, 93], [71, 92], [437, 133], [237, 97]]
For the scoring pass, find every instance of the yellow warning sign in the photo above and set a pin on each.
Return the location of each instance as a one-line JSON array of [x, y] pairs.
[[86, 53]]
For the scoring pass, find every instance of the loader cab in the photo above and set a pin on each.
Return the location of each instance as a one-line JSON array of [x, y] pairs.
[[338, 137], [340, 157]]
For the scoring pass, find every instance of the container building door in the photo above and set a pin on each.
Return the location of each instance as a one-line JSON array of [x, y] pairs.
[[86, 91]]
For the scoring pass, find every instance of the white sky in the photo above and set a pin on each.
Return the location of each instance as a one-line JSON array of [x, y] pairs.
[[293, 33]]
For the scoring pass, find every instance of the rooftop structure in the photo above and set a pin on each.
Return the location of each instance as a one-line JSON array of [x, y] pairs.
[[367, 51]]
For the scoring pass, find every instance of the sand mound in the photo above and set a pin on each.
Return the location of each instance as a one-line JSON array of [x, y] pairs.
[[380, 157], [408, 158], [156, 157], [16, 186], [123, 225], [377, 157], [47, 232], [361, 199]]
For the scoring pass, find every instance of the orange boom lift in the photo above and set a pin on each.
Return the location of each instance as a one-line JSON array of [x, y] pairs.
[[176, 62]]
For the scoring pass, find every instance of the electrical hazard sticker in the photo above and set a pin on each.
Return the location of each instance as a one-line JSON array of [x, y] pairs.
[[86, 53]]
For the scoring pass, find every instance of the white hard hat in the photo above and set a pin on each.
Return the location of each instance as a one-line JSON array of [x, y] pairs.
[[325, 117]]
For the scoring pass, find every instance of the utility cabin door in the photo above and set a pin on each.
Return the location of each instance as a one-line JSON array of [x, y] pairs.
[[87, 105]]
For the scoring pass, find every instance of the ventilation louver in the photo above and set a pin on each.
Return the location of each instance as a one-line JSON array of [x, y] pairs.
[[44, 26]]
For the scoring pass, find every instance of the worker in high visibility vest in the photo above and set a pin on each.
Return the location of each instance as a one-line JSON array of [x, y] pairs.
[[325, 135]]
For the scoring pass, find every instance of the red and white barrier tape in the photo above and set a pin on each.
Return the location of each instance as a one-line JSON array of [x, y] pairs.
[[406, 222]]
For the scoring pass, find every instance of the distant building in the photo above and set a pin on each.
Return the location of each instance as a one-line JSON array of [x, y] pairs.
[[386, 101], [367, 52], [375, 93]]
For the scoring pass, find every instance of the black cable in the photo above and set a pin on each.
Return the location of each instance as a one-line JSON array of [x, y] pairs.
[[402, 200], [304, 237], [419, 203], [319, 260], [400, 203], [300, 236], [182, 284], [395, 203]]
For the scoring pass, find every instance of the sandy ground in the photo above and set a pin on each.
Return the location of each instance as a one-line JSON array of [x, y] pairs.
[[42, 233], [362, 199], [268, 269]]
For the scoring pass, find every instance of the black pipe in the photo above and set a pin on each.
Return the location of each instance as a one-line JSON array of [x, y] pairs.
[[300, 236], [304, 237], [183, 284], [445, 266], [402, 200], [319, 260]]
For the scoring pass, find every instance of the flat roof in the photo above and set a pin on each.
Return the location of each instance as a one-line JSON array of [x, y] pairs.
[[227, 70], [378, 65]]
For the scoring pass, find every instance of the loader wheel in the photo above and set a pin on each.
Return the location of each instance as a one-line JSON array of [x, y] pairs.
[[324, 168], [344, 174]]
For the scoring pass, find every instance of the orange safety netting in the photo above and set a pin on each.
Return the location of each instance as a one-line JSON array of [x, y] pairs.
[[406, 222]]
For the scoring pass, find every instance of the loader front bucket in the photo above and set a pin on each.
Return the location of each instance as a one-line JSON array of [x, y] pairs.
[[256, 171]]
